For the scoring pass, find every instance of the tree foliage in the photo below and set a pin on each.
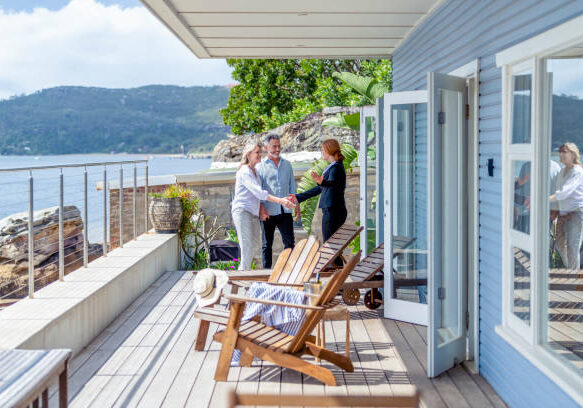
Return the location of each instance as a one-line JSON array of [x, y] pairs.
[[271, 92]]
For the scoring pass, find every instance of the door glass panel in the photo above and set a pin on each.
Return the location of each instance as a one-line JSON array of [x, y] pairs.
[[521, 290], [452, 213], [521, 208], [564, 321], [409, 202], [371, 180], [521, 107]]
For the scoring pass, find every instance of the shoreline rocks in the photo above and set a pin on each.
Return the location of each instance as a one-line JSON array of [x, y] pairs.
[[305, 135], [14, 247]]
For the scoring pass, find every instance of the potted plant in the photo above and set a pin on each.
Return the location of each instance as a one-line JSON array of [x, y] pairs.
[[166, 209]]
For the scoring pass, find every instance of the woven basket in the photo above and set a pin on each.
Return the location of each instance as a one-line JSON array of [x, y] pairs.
[[166, 214]]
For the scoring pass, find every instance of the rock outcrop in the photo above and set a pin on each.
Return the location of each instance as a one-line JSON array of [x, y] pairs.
[[14, 247], [305, 135]]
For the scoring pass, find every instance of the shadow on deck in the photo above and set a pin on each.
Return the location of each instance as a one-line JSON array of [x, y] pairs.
[[146, 358]]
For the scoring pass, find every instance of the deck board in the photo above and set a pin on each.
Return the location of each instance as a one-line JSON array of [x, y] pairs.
[[146, 357]]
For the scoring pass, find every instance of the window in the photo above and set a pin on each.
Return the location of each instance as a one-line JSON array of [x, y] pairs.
[[543, 202]]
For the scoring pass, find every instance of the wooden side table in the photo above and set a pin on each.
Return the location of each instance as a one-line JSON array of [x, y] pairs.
[[336, 313]]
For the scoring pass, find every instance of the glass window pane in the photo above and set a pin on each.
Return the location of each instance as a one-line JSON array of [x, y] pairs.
[[521, 208], [410, 202], [522, 279], [371, 199], [564, 322], [521, 107]]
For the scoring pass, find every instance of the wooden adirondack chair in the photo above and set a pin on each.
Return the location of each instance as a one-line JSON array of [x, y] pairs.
[[292, 268], [336, 244], [255, 339]]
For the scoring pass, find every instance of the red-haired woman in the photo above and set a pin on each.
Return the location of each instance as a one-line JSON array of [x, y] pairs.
[[331, 184]]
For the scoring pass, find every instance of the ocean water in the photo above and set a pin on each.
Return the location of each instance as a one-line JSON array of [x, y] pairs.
[[14, 185]]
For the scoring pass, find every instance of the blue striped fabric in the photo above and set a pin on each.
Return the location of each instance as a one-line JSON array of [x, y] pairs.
[[286, 319]]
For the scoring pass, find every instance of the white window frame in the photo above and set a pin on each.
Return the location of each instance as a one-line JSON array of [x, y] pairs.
[[530, 340]]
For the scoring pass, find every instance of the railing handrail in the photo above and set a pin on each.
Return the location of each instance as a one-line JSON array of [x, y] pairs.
[[61, 166]]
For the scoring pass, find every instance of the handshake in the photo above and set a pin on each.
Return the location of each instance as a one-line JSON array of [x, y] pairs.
[[288, 202]]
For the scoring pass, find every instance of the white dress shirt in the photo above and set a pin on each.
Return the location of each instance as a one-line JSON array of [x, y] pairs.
[[569, 192], [248, 191]]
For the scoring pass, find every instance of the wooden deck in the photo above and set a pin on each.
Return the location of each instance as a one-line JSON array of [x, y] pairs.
[[146, 358]]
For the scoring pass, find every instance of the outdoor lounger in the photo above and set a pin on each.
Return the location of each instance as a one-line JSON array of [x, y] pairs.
[[255, 339]]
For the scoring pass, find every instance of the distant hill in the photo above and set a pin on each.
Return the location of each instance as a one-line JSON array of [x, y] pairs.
[[150, 119]]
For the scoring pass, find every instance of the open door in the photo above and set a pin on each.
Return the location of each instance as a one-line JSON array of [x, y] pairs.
[[406, 215], [448, 229]]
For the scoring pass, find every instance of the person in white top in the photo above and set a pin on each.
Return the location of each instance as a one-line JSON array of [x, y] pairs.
[[569, 198], [245, 204]]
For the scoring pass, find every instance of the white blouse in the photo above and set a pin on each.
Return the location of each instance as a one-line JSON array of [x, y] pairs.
[[248, 191], [569, 192]]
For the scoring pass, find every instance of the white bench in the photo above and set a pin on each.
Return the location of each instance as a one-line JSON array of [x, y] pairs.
[[25, 376]]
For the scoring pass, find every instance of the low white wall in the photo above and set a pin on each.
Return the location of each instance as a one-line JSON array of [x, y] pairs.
[[70, 314]]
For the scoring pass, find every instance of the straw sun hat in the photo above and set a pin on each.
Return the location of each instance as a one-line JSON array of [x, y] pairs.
[[208, 284]]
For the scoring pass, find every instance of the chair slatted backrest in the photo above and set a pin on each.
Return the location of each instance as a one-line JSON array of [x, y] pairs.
[[336, 244], [328, 293], [369, 266], [297, 263]]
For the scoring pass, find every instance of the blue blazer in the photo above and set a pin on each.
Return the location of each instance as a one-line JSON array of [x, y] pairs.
[[332, 188]]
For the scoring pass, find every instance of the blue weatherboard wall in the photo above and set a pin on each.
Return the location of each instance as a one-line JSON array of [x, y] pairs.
[[453, 35]]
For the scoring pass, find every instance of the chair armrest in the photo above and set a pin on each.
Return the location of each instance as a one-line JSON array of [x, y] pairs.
[[247, 299]]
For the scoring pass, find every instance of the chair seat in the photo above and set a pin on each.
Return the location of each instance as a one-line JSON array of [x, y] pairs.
[[264, 336]]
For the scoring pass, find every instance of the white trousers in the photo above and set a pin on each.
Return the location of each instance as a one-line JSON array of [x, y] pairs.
[[248, 234]]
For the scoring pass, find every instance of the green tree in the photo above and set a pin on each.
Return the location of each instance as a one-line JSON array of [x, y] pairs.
[[272, 92]]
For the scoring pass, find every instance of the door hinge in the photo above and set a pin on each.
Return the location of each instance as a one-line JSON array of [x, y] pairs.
[[467, 110], [441, 293], [441, 118]]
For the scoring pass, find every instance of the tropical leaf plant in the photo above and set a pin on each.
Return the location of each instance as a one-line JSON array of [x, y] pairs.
[[368, 87], [308, 207], [348, 121]]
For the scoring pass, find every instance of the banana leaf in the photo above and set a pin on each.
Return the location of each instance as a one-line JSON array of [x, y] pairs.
[[308, 207], [368, 87], [347, 121]]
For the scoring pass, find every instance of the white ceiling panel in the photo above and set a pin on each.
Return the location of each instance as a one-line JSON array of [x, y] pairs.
[[306, 32], [295, 20], [291, 29]]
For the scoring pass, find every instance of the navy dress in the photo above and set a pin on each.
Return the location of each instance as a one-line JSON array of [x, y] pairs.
[[332, 199]]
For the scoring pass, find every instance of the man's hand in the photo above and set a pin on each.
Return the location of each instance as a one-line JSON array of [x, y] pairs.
[[263, 213], [292, 198], [287, 203], [316, 178]]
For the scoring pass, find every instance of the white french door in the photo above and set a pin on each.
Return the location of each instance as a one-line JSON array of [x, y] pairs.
[[448, 229], [406, 216]]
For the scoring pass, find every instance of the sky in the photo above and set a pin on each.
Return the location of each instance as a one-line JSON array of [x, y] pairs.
[[103, 43]]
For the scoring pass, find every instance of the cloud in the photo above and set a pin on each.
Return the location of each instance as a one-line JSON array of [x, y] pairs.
[[87, 43]]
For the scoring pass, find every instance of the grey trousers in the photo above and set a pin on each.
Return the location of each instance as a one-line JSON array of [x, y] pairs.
[[569, 238], [248, 234]]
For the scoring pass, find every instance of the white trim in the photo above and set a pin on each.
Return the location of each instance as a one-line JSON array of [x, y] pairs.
[[565, 376], [469, 70], [555, 39]]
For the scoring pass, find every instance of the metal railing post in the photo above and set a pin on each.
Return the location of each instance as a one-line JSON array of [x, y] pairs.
[[146, 201], [30, 236], [85, 221], [121, 206], [104, 246], [61, 227], [135, 217]]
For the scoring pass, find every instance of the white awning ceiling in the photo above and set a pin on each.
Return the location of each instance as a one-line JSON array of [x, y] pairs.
[[291, 28]]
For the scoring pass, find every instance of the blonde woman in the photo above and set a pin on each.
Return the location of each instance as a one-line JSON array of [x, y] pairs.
[[245, 205], [569, 198]]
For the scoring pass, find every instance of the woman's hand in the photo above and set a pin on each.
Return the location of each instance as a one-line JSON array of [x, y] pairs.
[[318, 179], [287, 203]]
